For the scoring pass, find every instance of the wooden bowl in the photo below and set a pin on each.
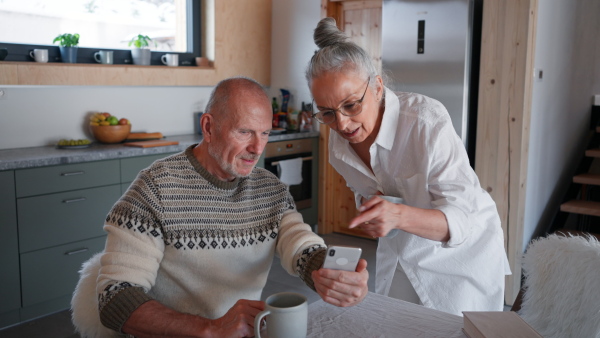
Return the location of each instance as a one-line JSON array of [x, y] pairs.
[[111, 134]]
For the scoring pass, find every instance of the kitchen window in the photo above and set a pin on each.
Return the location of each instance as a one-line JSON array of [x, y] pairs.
[[174, 25]]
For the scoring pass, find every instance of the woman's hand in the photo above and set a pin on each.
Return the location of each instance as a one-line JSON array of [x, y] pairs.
[[377, 217]]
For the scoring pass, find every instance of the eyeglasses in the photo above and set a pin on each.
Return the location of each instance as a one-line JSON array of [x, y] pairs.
[[348, 109]]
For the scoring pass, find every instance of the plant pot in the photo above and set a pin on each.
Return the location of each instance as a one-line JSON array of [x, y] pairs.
[[141, 56], [68, 54]]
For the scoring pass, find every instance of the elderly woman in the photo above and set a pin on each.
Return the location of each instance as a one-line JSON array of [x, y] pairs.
[[447, 252]]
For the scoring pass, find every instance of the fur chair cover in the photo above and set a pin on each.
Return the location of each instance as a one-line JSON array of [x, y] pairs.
[[84, 304], [562, 284]]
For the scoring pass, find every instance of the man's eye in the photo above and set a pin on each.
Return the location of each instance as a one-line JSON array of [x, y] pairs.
[[327, 113]]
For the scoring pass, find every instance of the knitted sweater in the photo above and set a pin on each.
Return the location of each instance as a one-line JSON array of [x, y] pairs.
[[197, 244]]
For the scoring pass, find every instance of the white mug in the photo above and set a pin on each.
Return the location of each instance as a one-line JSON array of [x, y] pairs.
[[39, 55], [104, 57], [287, 316], [170, 59]]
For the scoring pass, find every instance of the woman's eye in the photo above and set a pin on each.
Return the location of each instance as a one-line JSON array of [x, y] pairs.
[[351, 106], [327, 113]]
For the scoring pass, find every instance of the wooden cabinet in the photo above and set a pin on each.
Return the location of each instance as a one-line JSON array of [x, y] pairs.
[[10, 288], [51, 221]]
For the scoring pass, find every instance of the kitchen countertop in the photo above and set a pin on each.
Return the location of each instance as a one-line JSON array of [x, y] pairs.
[[20, 158]]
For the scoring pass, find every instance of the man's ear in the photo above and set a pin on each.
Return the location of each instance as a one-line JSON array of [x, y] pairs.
[[208, 127]]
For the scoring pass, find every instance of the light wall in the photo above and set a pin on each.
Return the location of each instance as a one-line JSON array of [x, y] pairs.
[[41, 115], [292, 46], [568, 52]]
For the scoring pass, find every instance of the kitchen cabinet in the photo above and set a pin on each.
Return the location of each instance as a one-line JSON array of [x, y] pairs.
[[51, 222], [130, 167], [10, 288]]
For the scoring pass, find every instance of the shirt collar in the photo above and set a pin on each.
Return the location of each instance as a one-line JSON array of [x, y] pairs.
[[389, 123]]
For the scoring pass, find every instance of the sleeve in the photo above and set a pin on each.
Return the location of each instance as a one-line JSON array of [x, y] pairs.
[[453, 184], [133, 252], [300, 249]]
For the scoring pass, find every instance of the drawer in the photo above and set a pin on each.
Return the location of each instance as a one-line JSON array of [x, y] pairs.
[[130, 167], [51, 273], [56, 219], [37, 181]]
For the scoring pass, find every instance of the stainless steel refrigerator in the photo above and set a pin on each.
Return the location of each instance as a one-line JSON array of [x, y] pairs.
[[432, 47]]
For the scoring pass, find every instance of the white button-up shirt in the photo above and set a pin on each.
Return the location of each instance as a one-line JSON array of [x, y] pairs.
[[418, 156]]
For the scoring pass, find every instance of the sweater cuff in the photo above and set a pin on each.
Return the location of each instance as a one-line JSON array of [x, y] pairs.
[[116, 312], [314, 262]]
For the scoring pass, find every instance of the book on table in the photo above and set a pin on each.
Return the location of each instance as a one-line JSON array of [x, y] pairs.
[[497, 324]]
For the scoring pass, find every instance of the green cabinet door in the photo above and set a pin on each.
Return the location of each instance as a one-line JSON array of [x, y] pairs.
[[60, 218], [10, 286]]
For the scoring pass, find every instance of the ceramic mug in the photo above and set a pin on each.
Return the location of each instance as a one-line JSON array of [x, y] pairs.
[[104, 57], [398, 200], [286, 316], [39, 55], [170, 59]]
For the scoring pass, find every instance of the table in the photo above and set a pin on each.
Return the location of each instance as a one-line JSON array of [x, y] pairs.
[[380, 316]]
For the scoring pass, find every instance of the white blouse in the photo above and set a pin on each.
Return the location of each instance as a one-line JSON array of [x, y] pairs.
[[418, 156]]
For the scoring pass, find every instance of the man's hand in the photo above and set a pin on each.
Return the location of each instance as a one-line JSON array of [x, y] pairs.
[[342, 288], [239, 320], [153, 319]]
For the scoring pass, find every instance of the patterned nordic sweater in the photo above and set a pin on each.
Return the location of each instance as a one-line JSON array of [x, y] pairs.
[[197, 244]]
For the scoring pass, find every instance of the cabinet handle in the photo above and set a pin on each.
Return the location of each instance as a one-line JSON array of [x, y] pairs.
[[80, 199], [73, 173], [74, 252]]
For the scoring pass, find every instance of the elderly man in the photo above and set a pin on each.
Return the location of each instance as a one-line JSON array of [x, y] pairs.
[[190, 244]]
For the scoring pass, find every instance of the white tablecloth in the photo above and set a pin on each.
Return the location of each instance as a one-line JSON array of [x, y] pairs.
[[380, 316]]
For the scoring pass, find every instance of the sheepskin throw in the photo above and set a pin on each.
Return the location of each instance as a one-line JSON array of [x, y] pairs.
[[84, 304], [562, 284]]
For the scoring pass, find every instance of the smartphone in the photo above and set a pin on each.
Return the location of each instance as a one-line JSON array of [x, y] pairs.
[[341, 257]]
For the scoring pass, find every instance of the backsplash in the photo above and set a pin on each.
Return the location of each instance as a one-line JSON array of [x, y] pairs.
[[41, 115]]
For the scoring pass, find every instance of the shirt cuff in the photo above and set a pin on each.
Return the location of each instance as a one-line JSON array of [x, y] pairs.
[[458, 226], [116, 312], [314, 262]]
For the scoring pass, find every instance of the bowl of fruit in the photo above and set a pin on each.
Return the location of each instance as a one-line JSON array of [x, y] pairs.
[[107, 128]]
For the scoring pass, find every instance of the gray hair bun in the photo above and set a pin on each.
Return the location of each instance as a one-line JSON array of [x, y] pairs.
[[327, 34]]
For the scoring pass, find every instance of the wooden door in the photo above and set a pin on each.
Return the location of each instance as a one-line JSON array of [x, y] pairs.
[[361, 20]]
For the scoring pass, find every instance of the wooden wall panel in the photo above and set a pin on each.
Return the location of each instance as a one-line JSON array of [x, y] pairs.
[[361, 20]]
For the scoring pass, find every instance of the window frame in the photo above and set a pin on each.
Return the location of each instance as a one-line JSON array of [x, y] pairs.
[[85, 55]]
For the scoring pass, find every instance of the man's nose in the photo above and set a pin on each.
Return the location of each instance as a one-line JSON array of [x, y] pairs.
[[256, 145]]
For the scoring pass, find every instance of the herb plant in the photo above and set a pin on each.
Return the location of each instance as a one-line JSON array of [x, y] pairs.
[[67, 40], [141, 41]]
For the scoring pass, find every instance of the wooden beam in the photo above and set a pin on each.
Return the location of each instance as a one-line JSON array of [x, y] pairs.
[[507, 56]]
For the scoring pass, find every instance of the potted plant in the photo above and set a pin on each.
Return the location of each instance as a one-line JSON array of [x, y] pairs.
[[141, 52], [68, 46]]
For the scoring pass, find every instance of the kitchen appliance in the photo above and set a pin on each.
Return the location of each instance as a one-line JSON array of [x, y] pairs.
[[304, 194], [431, 47]]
